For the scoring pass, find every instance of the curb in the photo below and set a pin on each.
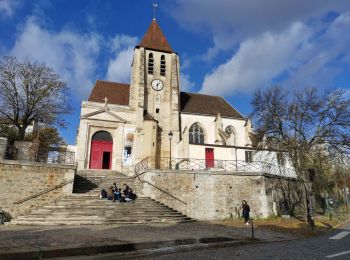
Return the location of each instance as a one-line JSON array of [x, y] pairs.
[[129, 249]]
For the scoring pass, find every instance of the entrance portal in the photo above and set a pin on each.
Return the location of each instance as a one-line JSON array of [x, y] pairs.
[[101, 150]]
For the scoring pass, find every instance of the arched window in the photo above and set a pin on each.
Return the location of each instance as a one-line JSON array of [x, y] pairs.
[[196, 134], [162, 65], [150, 63]]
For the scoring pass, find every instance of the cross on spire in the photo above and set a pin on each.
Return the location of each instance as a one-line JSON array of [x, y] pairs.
[[105, 100], [154, 11]]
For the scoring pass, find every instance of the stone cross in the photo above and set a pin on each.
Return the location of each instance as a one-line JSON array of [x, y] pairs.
[[105, 100]]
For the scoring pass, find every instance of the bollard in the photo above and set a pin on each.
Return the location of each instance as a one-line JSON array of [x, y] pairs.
[[251, 221]]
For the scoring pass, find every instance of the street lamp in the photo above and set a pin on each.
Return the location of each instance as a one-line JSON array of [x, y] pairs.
[[170, 137]]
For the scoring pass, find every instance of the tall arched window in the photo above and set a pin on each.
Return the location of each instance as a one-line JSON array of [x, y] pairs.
[[150, 63], [196, 134], [162, 65]]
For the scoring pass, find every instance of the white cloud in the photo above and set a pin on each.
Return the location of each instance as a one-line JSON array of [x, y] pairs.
[[298, 56], [72, 55], [185, 82], [233, 21], [75, 56], [119, 68], [256, 62], [7, 7]]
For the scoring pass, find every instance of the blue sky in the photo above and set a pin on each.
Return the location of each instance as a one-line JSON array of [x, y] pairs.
[[226, 47]]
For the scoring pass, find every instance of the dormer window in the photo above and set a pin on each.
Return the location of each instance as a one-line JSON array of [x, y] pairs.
[[162, 65], [150, 63]]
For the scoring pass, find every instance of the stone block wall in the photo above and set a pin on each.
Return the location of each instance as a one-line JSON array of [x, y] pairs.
[[20, 180], [209, 195], [285, 195], [218, 195]]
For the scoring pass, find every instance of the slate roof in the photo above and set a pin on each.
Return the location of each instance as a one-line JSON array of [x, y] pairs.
[[154, 39], [206, 105], [118, 94]]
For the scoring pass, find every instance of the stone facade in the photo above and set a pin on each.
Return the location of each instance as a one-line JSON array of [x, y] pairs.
[[217, 195], [20, 180]]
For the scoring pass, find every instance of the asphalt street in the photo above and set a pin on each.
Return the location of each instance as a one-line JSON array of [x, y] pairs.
[[334, 245]]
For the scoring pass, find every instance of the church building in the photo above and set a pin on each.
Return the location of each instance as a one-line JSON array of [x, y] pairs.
[[121, 124]]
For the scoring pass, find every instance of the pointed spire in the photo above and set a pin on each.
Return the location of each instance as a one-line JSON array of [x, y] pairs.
[[155, 39]]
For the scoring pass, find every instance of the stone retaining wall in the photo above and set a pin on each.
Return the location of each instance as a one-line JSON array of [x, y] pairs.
[[211, 195], [19, 180]]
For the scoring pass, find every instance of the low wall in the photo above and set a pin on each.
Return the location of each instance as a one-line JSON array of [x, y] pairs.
[[209, 195], [19, 180], [212, 195]]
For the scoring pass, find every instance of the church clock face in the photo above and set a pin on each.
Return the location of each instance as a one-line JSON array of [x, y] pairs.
[[157, 84]]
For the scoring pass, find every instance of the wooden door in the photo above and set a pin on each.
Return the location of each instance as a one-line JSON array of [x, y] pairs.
[[209, 157], [98, 149]]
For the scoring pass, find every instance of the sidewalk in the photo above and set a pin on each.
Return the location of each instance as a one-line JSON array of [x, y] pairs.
[[56, 241]]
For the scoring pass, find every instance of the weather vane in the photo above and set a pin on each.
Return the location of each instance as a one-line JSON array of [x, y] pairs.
[[154, 11]]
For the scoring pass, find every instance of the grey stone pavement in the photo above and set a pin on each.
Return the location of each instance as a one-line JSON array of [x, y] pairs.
[[331, 245], [45, 237]]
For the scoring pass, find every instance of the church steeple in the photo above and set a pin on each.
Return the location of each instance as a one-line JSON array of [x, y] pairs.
[[154, 39]]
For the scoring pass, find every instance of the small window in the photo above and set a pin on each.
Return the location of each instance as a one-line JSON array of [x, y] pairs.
[[162, 65], [157, 110], [150, 63], [248, 156]]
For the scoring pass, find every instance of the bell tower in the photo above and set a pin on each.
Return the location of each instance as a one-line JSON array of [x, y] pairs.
[[154, 88]]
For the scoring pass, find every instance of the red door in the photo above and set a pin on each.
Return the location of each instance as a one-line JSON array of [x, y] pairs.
[[101, 154], [209, 157]]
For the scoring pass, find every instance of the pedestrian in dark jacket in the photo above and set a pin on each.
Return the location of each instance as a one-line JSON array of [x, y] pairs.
[[245, 212]]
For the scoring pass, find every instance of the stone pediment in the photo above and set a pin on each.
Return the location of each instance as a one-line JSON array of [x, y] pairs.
[[104, 115]]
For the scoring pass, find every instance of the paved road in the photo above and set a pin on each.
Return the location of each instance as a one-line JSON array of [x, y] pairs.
[[335, 245]]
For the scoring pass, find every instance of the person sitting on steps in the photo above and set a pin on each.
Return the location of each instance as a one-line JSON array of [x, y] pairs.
[[117, 194], [110, 193], [103, 194], [128, 193]]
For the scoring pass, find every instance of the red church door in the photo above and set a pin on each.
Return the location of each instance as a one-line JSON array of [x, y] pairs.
[[209, 157], [101, 151]]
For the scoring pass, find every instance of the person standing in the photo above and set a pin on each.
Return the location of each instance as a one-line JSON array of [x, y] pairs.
[[245, 212]]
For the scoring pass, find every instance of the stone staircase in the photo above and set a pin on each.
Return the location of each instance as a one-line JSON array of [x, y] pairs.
[[84, 206]]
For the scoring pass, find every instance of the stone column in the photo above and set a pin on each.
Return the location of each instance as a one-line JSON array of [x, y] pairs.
[[25, 150], [3, 145]]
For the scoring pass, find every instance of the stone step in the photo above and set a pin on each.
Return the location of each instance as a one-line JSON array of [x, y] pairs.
[[105, 212], [54, 207], [60, 218], [84, 207], [56, 223], [79, 223]]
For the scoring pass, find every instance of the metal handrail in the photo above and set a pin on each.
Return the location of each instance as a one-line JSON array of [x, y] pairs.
[[167, 163], [140, 168], [43, 192], [49, 155]]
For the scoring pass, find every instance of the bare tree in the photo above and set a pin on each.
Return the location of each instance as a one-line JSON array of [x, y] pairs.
[[302, 123], [31, 92]]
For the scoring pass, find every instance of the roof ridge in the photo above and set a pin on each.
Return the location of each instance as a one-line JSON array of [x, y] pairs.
[[108, 81], [201, 94]]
